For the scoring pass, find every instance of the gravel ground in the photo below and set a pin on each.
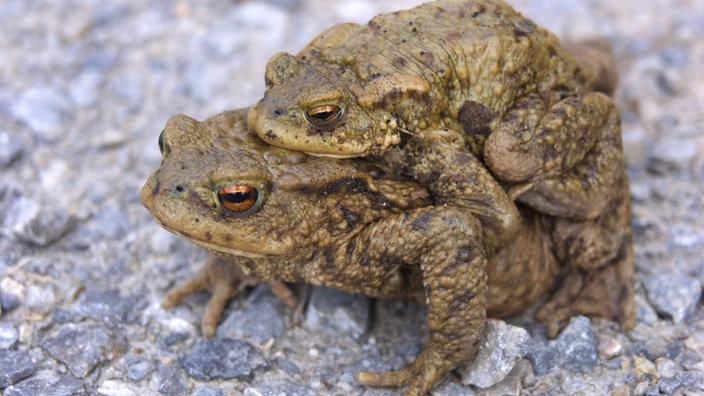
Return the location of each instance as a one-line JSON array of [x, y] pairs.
[[85, 88]]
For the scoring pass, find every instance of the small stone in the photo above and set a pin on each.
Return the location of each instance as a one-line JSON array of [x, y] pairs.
[[170, 380], [574, 385], [608, 346], [43, 110], [279, 388], [621, 390], [104, 305], [613, 364], [692, 380], [110, 222], [447, 388], [502, 347], [8, 335], [117, 388], [129, 86], [648, 341], [668, 386], [683, 236], [645, 313], [259, 321], [337, 313], [82, 347], [139, 370], [41, 297], [14, 366], [47, 382], [666, 367], [207, 391], [27, 221], [574, 349], [84, 88], [641, 388], [673, 295], [222, 358], [8, 302], [670, 154], [643, 367], [10, 149]]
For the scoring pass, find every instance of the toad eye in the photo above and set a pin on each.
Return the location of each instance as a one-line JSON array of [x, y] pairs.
[[238, 198], [325, 116]]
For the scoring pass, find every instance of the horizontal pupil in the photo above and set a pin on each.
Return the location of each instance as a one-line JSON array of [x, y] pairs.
[[237, 197], [323, 115]]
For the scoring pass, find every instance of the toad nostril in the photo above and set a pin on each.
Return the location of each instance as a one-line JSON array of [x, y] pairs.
[[179, 189]]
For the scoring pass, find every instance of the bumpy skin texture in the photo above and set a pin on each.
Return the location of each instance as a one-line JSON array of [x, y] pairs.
[[527, 109], [356, 226]]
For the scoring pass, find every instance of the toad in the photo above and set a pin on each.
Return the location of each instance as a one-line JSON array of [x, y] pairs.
[[355, 225], [529, 111]]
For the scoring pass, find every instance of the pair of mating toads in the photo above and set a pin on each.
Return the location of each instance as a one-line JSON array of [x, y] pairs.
[[477, 166]]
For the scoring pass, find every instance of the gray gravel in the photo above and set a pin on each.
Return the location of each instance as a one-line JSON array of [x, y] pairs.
[[85, 88]]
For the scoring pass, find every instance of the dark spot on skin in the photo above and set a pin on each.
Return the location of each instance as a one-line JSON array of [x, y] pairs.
[[208, 236], [349, 251], [559, 112], [376, 172], [476, 118], [552, 51], [364, 261], [345, 184], [351, 218], [270, 135], [427, 58], [463, 299], [399, 62], [393, 96], [421, 222], [454, 35], [279, 112], [478, 11], [414, 30], [228, 237], [430, 177], [156, 188], [329, 258], [464, 255]]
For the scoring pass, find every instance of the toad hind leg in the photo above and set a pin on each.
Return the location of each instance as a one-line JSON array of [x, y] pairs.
[[568, 154], [606, 292], [599, 256], [447, 243], [584, 191]]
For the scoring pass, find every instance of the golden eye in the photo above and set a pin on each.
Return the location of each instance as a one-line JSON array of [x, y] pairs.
[[325, 116], [238, 198]]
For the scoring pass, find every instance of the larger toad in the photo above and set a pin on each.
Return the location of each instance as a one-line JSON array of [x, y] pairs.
[[355, 226]]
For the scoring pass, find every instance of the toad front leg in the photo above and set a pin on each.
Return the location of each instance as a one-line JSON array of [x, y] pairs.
[[446, 244], [224, 278], [440, 160]]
